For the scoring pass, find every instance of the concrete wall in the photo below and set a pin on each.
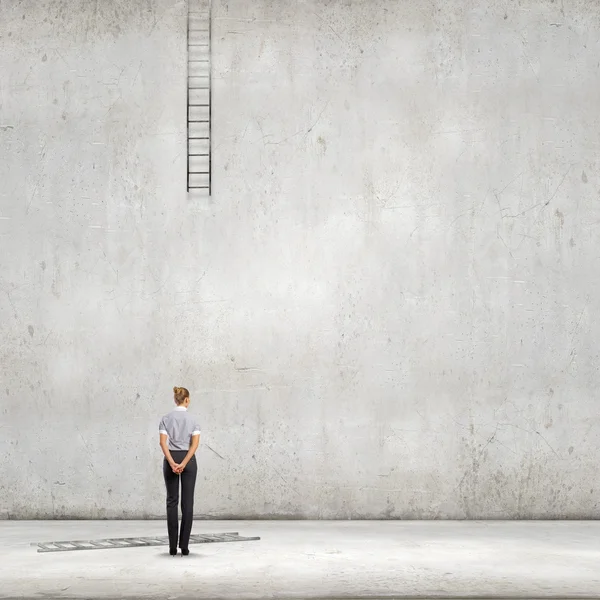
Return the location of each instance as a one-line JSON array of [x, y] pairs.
[[388, 307]]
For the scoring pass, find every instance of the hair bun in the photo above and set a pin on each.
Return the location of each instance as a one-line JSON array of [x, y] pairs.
[[181, 394]]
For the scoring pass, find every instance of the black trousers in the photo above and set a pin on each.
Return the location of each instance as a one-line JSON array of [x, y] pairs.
[[188, 483]]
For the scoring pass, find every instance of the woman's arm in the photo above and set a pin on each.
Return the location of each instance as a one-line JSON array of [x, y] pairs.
[[165, 448], [191, 451]]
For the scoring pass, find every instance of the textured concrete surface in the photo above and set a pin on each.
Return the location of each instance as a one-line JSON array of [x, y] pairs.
[[305, 559], [388, 307]]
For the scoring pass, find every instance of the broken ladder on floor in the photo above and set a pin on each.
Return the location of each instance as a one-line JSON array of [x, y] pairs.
[[137, 542]]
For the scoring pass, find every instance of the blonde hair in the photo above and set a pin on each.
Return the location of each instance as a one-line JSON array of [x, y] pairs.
[[180, 394]]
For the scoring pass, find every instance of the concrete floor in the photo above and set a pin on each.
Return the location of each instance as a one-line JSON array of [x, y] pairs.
[[302, 559]]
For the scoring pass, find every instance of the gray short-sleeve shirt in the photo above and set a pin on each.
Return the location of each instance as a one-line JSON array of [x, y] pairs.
[[179, 426]]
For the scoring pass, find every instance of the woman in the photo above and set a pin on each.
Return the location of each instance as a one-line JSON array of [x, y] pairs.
[[179, 439]]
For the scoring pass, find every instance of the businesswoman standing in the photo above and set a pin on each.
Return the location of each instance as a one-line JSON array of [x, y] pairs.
[[179, 439]]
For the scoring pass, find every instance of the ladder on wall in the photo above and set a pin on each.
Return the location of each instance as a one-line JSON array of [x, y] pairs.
[[199, 97]]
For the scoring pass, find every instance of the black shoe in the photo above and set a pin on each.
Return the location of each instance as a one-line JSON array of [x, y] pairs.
[[173, 551], [185, 551]]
